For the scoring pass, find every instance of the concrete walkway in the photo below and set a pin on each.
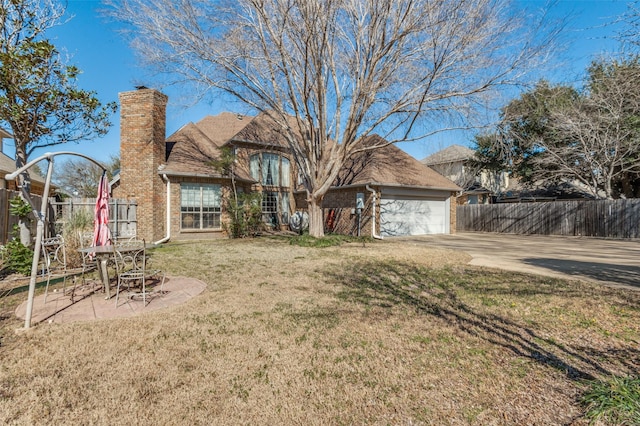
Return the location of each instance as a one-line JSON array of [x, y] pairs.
[[90, 304], [607, 261]]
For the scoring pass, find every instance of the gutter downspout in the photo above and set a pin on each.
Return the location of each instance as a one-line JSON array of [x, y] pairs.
[[373, 214], [168, 236]]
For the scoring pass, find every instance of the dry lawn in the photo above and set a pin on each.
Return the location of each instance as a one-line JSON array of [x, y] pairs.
[[389, 334]]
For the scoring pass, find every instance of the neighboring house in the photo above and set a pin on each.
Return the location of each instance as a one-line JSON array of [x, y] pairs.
[[479, 186], [180, 195], [8, 165], [569, 190]]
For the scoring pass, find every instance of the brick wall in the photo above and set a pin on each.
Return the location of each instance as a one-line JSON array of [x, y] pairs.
[[341, 202], [337, 208], [176, 232], [142, 151]]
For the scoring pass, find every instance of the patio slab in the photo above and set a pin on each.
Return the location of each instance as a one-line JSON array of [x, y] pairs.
[[90, 303]]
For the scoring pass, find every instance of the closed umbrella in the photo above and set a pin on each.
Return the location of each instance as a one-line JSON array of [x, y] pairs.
[[101, 232]]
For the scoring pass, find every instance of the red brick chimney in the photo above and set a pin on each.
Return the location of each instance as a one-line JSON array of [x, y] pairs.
[[142, 151]]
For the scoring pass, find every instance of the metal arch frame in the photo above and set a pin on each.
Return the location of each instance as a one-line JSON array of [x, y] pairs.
[[41, 217]]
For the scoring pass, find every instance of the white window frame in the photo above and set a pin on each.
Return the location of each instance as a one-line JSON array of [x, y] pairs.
[[200, 207]]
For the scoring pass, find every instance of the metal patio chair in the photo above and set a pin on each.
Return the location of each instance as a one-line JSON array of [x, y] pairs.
[[88, 262], [132, 268], [55, 262]]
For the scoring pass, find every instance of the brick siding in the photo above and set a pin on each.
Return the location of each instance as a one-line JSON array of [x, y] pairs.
[[177, 233], [142, 151], [337, 208]]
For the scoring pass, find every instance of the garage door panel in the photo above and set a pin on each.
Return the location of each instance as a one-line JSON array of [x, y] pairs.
[[412, 216]]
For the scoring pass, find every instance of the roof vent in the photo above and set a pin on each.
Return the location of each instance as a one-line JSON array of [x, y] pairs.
[[239, 116]]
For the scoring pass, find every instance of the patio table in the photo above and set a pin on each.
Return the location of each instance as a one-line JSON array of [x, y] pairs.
[[103, 253]]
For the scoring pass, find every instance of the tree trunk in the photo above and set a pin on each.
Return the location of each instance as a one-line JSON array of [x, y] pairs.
[[24, 181], [316, 222], [608, 190]]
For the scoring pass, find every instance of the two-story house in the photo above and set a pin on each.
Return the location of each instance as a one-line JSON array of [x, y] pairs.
[[180, 195], [478, 186]]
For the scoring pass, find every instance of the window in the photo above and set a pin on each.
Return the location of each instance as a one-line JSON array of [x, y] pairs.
[[270, 169], [273, 170], [285, 207], [286, 172], [200, 206], [270, 208], [275, 208], [254, 166]]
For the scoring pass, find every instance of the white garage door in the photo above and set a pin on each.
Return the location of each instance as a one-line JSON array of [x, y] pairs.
[[403, 215]]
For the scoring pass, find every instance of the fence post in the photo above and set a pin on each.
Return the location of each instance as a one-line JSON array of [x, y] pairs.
[[116, 214]]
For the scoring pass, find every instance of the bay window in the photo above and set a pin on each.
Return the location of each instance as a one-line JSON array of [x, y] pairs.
[[273, 170], [270, 169]]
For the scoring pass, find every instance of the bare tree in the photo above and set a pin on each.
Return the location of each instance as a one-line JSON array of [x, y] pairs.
[[589, 138], [600, 130], [331, 72], [629, 35], [80, 178]]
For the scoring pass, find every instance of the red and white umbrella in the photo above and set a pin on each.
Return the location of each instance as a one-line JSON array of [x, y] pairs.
[[101, 232]]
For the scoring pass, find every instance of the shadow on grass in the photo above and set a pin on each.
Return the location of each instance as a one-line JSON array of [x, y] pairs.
[[435, 293], [609, 272]]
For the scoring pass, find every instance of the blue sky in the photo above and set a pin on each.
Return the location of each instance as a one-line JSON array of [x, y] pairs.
[[109, 67]]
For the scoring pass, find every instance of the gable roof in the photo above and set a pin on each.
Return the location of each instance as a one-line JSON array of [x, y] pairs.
[[451, 154], [7, 164], [390, 166], [191, 149], [222, 127], [264, 132]]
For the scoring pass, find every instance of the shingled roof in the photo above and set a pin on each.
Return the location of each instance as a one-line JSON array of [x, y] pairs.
[[390, 166], [191, 149], [451, 154], [262, 131], [8, 165]]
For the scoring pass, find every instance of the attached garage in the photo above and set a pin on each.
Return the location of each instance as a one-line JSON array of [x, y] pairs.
[[414, 212], [385, 193]]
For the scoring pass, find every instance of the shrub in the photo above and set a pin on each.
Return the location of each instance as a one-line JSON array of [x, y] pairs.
[[245, 215], [19, 207], [79, 221], [16, 257]]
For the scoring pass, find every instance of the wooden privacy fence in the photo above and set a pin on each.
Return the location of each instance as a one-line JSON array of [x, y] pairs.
[[7, 220], [590, 218], [122, 213]]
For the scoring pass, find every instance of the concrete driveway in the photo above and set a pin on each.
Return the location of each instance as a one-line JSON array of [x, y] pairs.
[[612, 262]]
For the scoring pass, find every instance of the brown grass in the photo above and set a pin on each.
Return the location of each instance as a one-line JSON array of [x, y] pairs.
[[390, 333]]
